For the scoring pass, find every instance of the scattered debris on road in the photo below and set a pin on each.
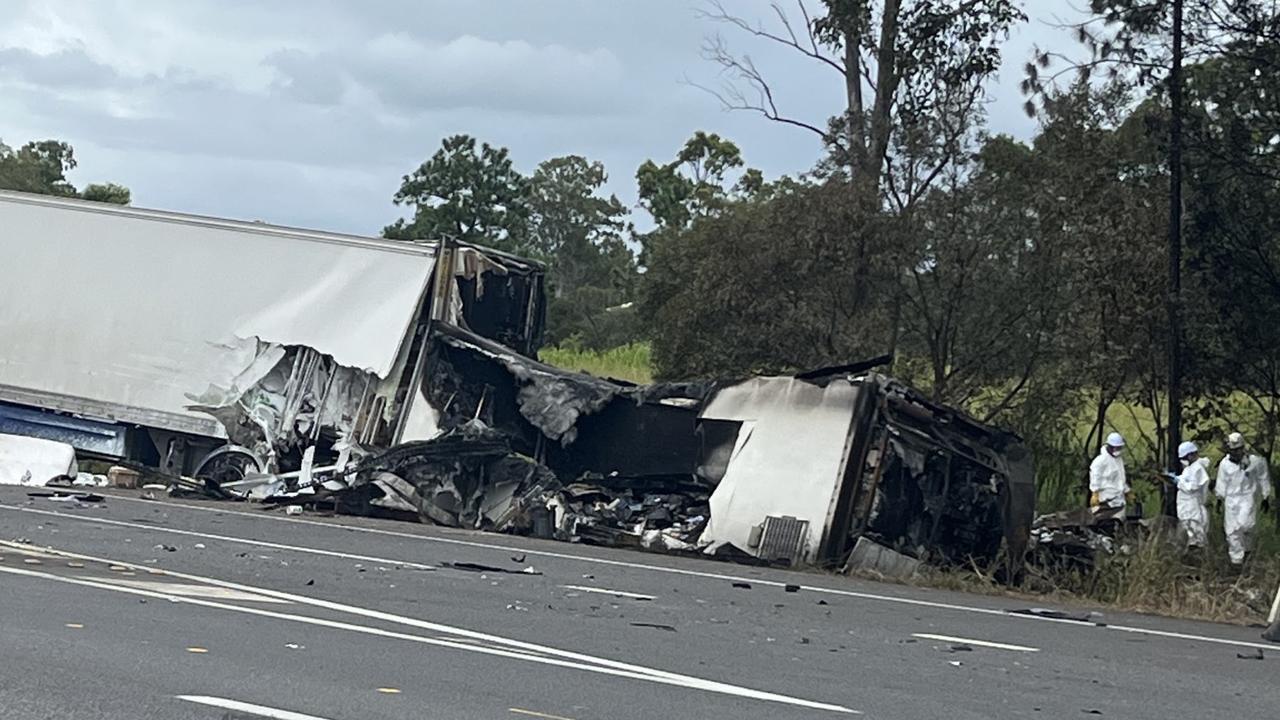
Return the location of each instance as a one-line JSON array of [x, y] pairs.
[[655, 626], [478, 567], [67, 497], [1085, 617], [870, 556]]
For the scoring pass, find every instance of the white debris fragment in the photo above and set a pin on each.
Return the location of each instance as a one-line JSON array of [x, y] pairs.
[[85, 479], [35, 461]]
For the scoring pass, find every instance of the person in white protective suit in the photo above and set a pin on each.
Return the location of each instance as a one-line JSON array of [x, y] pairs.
[[1242, 476], [1108, 487], [1193, 490]]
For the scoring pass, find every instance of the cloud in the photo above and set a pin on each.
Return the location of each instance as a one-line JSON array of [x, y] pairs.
[[413, 76], [61, 69]]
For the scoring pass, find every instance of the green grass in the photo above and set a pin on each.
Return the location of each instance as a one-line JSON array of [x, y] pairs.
[[627, 362]]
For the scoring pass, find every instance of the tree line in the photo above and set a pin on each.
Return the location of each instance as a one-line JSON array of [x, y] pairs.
[[41, 167]]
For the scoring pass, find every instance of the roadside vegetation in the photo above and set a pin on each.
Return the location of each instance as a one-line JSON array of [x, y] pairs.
[[630, 362]]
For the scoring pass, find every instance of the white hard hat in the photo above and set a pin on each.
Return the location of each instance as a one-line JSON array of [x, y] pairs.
[[1187, 448], [1114, 440], [1235, 440]]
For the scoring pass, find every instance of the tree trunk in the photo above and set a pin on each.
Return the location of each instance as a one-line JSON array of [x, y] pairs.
[[855, 126], [1174, 304]]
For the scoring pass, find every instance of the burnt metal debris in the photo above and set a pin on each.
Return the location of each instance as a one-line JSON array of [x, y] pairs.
[[812, 469], [1075, 539]]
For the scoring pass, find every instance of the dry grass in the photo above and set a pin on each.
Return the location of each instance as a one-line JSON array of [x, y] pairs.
[[1155, 576], [1150, 575]]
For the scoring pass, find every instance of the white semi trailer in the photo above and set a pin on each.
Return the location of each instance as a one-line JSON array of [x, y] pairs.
[[184, 341]]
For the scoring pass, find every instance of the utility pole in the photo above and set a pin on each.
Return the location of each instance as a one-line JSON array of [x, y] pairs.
[[1174, 298]]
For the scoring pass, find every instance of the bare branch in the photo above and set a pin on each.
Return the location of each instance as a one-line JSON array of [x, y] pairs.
[[731, 97], [719, 14], [786, 23], [808, 23]]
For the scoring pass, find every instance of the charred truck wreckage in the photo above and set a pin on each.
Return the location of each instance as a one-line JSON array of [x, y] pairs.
[[401, 379], [839, 467]]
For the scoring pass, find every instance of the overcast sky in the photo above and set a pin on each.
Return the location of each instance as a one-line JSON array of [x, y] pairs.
[[308, 112]]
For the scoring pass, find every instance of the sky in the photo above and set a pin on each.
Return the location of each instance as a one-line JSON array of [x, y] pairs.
[[309, 112]]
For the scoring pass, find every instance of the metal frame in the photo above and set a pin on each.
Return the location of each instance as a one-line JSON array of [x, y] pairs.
[[112, 412]]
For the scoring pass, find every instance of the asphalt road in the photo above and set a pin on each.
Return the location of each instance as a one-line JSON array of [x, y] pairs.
[[194, 609]]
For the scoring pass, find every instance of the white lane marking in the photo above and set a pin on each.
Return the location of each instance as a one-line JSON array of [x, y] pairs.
[[231, 539], [462, 633], [607, 591], [376, 614], [185, 590], [244, 707], [980, 643], [620, 563], [640, 673], [535, 713], [1186, 636]]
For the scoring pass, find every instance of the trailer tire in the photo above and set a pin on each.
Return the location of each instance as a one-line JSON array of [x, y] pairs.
[[229, 463]]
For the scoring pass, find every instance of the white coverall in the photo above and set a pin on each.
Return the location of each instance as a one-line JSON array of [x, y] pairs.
[[1193, 489], [1106, 477], [1238, 486]]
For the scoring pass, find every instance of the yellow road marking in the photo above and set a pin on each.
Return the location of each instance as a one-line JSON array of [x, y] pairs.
[[74, 626], [534, 713], [389, 691], [197, 650]]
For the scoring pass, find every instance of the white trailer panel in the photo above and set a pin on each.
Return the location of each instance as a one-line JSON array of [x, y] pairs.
[[122, 313]]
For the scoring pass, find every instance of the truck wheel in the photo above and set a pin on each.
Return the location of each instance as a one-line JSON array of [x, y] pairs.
[[228, 463]]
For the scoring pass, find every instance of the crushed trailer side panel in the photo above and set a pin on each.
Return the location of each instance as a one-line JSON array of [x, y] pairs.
[[787, 461]]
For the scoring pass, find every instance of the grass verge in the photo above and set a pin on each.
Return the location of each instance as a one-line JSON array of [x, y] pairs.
[[627, 362]]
